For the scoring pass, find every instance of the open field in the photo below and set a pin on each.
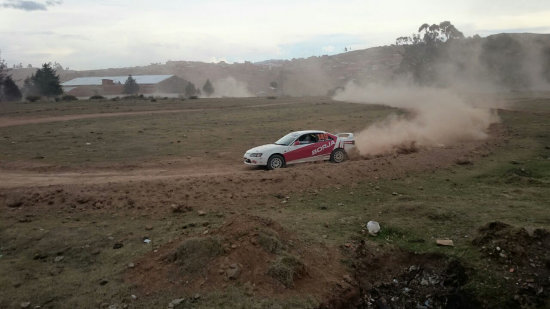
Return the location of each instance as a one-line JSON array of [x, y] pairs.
[[83, 184]]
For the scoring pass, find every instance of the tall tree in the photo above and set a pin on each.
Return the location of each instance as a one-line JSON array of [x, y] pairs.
[[46, 81], [131, 86], [3, 69], [10, 91], [190, 90], [29, 89], [208, 88], [423, 50]]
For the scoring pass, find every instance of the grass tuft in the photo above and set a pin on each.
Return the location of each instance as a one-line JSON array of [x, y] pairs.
[[286, 269]]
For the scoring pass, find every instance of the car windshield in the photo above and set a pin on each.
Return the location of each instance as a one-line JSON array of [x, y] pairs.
[[287, 139]]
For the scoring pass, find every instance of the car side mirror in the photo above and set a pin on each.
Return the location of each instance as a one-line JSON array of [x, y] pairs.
[[297, 143]]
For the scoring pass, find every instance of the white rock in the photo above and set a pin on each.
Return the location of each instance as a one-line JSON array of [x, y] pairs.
[[373, 227], [175, 302]]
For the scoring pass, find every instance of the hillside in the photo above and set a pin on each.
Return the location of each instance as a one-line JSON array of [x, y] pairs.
[[296, 77], [513, 61]]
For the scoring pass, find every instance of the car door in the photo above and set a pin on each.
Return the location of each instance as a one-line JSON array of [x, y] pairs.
[[324, 147], [302, 149]]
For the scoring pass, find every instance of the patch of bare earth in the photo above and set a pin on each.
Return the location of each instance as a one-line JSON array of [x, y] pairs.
[[522, 256], [249, 250]]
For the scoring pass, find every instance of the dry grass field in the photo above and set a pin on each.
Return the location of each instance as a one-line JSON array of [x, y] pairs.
[[146, 204]]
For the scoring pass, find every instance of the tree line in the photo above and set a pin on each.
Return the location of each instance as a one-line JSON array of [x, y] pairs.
[[440, 55], [45, 83]]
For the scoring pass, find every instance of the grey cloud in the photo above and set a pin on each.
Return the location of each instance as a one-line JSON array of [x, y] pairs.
[[30, 5]]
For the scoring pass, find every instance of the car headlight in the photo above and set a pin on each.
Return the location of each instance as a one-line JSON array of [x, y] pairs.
[[255, 154]]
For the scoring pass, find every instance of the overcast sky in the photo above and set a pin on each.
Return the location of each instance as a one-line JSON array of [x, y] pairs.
[[86, 34]]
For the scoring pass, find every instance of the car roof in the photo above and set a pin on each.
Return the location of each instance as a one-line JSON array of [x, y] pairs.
[[309, 131]]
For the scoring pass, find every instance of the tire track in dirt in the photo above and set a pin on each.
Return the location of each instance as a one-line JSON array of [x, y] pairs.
[[14, 179]]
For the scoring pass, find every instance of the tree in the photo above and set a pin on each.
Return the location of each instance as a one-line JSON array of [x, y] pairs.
[[10, 91], [190, 90], [208, 88], [131, 86], [46, 82], [3, 70], [423, 50], [29, 88]]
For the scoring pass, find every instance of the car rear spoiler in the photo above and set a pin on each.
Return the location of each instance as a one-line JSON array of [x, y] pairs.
[[348, 138]]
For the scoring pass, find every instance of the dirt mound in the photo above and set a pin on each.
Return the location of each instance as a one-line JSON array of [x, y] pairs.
[[249, 251], [524, 258], [391, 278]]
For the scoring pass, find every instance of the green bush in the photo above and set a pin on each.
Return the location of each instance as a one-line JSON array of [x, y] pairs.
[[97, 97], [69, 97], [33, 98]]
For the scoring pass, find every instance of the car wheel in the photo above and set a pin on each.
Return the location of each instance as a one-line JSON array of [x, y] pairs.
[[338, 155], [275, 161]]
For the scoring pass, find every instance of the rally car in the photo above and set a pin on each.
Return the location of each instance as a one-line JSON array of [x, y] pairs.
[[301, 146]]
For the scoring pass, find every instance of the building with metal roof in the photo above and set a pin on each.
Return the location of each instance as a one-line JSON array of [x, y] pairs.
[[114, 85]]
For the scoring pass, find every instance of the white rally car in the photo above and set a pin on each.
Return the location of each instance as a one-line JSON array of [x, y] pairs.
[[301, 146]]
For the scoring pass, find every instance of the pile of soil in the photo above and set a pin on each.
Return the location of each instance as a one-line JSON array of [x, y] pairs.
[[392, 278], [523, 256], [248, 251]]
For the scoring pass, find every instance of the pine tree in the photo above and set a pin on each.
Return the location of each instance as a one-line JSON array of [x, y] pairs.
[[131, 86], [46, 82], [190, 90], [11, 92], [29, 88], [208, 88]]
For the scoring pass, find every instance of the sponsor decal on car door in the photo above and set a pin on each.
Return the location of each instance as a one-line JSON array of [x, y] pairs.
[[309, 152], [325, 146], [299, 152]]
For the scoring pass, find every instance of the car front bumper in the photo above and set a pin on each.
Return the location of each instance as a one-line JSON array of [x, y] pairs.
[[248, 160]]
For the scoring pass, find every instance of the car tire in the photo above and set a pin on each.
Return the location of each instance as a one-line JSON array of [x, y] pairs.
[[338, 155], [275, 161]]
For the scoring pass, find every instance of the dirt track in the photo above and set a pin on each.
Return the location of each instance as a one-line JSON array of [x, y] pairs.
[[207, 181]]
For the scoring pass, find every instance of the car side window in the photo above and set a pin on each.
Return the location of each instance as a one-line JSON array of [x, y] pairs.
[[308, 139], [324, 137]]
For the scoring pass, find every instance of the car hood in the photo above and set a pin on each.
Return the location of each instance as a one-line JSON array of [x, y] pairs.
[[265, 148]]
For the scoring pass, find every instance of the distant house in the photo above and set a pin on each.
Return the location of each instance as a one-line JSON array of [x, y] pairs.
[[114, 85]]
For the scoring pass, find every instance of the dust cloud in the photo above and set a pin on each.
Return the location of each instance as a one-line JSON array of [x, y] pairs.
[[433, 117], [230, 87]]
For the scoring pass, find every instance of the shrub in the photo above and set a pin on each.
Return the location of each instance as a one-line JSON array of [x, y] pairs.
[[97, 97], [286, 269], [33, 98], [193, 97], [270, 242], [195, 253], [69, 97]]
